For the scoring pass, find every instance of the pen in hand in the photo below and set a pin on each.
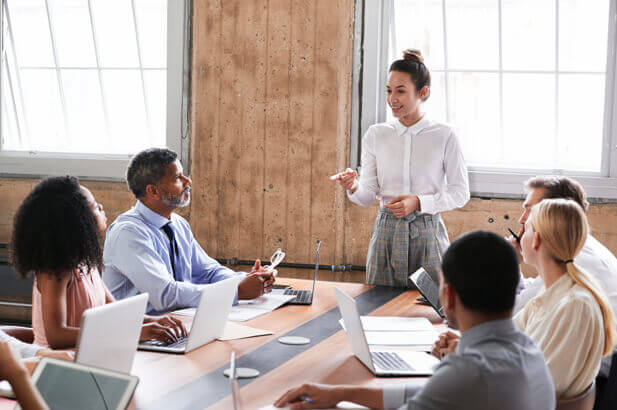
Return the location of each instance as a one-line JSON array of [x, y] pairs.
[[515, 236]]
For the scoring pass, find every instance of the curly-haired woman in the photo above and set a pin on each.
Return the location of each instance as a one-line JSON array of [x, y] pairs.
[[56, 235]]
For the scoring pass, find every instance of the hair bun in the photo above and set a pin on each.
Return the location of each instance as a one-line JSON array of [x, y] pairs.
[[413, 55]]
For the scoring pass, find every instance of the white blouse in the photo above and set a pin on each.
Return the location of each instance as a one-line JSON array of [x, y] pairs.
[[566, 323], [424, 160]]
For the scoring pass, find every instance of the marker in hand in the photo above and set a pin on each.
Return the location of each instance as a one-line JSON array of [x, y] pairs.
[[515, 236]]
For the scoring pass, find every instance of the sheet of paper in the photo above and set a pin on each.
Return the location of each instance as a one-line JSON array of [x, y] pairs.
[[341, 405], [268, 301], [250, 309], [234, 331], [401, 338], [393, 324]]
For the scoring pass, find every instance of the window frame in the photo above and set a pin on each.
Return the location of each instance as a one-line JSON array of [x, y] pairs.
[[112, 167], [371, 42]]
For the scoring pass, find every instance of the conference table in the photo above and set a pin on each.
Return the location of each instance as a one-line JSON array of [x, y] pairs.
[[196, 381]]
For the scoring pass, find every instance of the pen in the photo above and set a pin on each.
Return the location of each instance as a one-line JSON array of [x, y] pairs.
[[515, 236]]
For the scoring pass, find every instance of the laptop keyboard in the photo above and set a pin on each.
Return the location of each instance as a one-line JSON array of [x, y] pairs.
[[302, 296], [389, 361], [179, 343]]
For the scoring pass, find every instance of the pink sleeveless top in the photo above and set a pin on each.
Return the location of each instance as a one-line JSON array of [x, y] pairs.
[[83, 291]]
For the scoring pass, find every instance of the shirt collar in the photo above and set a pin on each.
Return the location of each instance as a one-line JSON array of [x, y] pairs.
[[556, 291], [150, 216], [485, 330], [414, 129]]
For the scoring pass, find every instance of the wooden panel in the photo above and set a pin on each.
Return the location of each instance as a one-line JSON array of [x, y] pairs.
[[252, 35], [205, 93], [300, 244], [277, 124]]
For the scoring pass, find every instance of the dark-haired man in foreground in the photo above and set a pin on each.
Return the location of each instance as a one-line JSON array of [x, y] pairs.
[[150, 248], [494, 366]]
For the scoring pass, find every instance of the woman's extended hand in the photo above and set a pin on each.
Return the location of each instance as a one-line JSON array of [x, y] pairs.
[[347, 179], [403, 205]]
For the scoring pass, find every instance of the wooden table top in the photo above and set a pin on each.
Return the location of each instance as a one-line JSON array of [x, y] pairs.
[[195, 380]]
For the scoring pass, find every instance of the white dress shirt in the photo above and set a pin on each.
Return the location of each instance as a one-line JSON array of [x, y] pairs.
[[424, 160], [566, 323]]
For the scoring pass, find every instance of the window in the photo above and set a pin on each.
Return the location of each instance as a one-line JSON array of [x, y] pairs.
[[87, 83], [527, 84]]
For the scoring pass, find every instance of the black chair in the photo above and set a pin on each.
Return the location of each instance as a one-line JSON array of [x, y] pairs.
[[606, 397]]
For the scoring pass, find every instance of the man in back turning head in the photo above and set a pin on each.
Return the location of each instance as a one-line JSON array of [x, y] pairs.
[[494, 366]]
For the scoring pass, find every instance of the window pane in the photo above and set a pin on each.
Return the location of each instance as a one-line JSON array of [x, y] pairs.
[[528, 28], [30, 29], [474, 108], [73, 33], [583, 32], [84, 105], [115, 33], [419, 25], [581, 121], [156, 92], [10, 133], [529, 120], [152, 30], [127, 115], [472, 34], [44, 115]]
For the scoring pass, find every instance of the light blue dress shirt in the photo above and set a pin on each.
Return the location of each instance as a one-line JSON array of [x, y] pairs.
[[137, 259], [495, 366]]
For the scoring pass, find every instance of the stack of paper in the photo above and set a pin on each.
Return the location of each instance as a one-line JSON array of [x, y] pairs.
[[398, 333]]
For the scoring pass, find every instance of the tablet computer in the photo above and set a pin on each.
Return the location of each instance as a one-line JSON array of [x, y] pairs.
[[428, 289], [68, 385]]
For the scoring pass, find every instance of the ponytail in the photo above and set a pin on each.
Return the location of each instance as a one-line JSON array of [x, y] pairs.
[[585, 280]]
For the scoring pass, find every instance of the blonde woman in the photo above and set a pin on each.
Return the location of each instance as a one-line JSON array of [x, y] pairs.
[[570, 319]]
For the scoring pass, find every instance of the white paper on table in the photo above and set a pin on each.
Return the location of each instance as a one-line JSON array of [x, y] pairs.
[[250, 309], [341, 405], [393, 324], [402, 338], [234, 331]]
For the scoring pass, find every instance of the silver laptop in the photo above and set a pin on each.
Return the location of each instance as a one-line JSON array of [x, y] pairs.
[[305, 297], [100, 346], [428, 288], [381, 363], [209, 321]]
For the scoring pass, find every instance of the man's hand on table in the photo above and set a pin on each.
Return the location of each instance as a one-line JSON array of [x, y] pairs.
[[257, 282], [445, 345]]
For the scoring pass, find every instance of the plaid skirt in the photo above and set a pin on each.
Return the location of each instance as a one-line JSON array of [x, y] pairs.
[[400, 246]]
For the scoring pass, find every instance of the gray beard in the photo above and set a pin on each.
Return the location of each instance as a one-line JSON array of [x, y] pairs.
[[176, 201]]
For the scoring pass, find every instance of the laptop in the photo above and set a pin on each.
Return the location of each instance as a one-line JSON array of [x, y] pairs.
[[380, 363], [305, 297], [428, 288], [68, 385], [209, 321], [112, 350]]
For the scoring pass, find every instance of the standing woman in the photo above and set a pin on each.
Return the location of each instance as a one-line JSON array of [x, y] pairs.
[[415, 167]]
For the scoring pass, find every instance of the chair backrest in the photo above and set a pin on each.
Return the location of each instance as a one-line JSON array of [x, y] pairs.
[[583, 401]]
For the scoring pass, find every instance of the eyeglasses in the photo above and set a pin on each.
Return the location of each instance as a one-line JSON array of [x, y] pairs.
[[276, 258]]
